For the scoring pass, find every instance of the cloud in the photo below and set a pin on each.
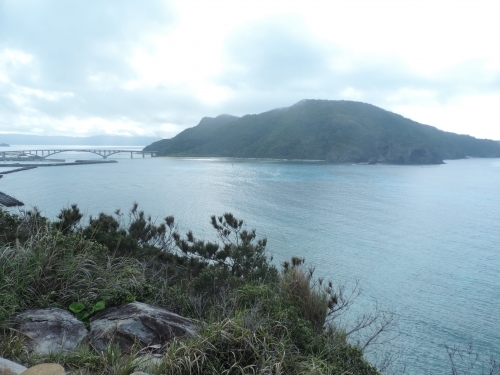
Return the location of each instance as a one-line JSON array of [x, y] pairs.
[[71, 40], [269, 54], [279, 61], [61, 59], [140, 67]]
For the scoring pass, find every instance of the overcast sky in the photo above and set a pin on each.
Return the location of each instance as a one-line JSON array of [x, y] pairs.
[[146, 67]]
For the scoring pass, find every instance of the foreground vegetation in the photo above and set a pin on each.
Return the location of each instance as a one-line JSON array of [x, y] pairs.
[[253, 317]]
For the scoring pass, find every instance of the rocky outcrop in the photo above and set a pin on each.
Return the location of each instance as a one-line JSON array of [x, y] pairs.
[[413, 155], [54, 330], [398, 154], [388, 153], [137, 323], [50, 330]]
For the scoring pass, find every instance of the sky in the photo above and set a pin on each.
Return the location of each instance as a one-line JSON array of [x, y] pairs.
[[150, 67]]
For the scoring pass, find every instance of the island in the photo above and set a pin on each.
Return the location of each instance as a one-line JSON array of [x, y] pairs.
[[4, 145], [328, 130]]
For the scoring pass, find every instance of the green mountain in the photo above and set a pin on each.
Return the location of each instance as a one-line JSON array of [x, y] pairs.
[[338, 131]]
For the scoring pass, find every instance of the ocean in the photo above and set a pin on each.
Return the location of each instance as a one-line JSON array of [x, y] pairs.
[[423, 242]]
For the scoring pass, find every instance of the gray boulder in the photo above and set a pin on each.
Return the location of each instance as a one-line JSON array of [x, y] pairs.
[[50, 330], [10, 368], [137, 322]]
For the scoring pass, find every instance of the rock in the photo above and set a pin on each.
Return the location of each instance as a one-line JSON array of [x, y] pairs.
[[147, 362], [399, 154], [45, 369], [137, 322], [50, 330], [10, 368]]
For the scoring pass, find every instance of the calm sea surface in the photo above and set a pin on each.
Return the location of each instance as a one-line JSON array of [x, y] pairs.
[[423, 241]]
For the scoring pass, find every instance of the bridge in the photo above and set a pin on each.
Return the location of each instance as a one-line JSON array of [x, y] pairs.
[[43, 154]]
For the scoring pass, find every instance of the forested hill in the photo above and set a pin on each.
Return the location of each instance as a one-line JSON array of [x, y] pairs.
[[342, 131]]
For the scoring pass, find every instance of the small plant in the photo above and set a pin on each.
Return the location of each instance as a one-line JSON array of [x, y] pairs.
[[83, 314]]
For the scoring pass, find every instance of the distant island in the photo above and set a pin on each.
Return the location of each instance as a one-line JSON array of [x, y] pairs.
[[335, 131], [4, 145], [96, 140]]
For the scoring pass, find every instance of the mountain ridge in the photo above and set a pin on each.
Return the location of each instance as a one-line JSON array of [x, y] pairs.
[[335, 131]]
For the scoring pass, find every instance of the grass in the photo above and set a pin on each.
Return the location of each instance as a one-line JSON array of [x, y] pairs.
[[56, 270]]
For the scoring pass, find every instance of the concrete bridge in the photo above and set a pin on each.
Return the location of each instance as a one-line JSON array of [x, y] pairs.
[[46, 153]]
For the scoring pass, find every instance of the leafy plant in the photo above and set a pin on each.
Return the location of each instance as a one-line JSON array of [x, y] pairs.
[[83, 314]]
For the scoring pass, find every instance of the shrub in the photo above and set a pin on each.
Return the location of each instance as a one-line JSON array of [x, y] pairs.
[[141, 232], [238, 251], [20, 227]]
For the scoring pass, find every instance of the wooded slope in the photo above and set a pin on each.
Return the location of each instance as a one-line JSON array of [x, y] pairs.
[[342, 131]]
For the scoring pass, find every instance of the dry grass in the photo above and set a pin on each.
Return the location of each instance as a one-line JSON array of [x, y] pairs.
[[310, 297]]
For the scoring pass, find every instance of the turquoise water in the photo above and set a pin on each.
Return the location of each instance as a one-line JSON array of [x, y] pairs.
[[423, 241]]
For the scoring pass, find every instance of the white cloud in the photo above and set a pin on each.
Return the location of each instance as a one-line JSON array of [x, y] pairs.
[[12, 60], [476, 114], [352, 94]]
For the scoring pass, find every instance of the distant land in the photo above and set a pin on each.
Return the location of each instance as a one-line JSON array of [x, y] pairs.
[[336, 131], [97, 140]]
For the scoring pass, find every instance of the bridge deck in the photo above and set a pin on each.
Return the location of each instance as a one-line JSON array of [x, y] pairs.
[[49, 152]]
